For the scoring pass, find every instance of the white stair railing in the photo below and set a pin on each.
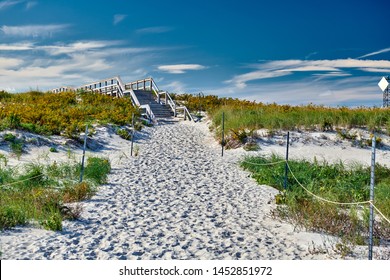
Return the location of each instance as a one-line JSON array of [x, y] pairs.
[[115, 87]]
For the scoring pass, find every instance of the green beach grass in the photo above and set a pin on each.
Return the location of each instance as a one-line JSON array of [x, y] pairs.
[[334, 182], [41, 194]]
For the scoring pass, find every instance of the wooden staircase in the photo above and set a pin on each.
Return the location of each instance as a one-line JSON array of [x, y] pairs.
[[145, 94], [160, 111]]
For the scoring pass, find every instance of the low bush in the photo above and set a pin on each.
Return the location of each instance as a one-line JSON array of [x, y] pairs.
[[78, 192], [123, 133], [334, 182], [41, 192], [63, 113], [97, 169]]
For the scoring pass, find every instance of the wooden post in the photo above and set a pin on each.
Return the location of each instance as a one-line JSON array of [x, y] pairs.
[[223, 131], [84, 148], [132, 135]]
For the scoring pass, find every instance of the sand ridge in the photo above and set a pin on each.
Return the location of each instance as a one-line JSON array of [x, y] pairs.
[[177, 200]]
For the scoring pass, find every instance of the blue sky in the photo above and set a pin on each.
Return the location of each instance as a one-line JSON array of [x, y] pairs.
[[288, 52]]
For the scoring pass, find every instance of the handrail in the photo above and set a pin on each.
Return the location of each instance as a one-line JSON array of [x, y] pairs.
[[154, 88], [120, 89], [133, 97], [154, 85], [170, 101], [188, 113], [149, 112], [121, 85], [103, 85]]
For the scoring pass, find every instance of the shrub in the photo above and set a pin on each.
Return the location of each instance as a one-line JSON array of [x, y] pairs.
[[78, 192], [11, 215], [123, 133], [38, 192], [17, 148], [63, 113], [53, 222], [334, 182], [97, 169], [14, 121], [9, 137], [4, 159]]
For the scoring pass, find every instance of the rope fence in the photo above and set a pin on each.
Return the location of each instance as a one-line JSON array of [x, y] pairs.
[[21, 181], [265, 164], [316, 196]]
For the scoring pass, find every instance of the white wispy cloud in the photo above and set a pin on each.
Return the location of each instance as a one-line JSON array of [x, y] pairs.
[[376, 70], [180, 68], [33, 30], [375, 53], [7, 63], [31, 4], [175, 86], [240, 81], [350, 91], [8, 3], [16, 47], [154, 30], [118, 18], [310, 55], [79, 46], [325, 68], [73, 63]]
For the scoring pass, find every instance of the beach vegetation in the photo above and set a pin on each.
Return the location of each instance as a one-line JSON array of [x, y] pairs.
[[332, 182], [124, 134], [15, 144], [97, 169], [64, 113], [241, 115], [46, 194]]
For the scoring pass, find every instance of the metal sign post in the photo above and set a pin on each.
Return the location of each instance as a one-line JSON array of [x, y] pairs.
[[384, 86], [372, 183], [286, 166]]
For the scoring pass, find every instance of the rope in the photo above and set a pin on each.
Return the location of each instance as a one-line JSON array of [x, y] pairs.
[[380, 213], [338, 203], [264, 164], [318, 197], [17, 182], [323, 199]]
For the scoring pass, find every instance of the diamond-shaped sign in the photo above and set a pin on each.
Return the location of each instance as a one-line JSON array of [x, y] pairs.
[[383, 84]]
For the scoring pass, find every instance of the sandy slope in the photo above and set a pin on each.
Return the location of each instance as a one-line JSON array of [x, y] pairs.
[[179, 199]]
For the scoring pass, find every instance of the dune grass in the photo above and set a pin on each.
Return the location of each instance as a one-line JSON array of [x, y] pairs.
[[335, 182], [301, 117], [40, 193], [64, 113], [246, 115]]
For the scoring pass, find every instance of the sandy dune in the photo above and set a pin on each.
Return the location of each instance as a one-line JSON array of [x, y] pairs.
[[178, 199]]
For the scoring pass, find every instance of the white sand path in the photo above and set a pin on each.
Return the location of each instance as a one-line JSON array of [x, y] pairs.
[[179, 199]]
